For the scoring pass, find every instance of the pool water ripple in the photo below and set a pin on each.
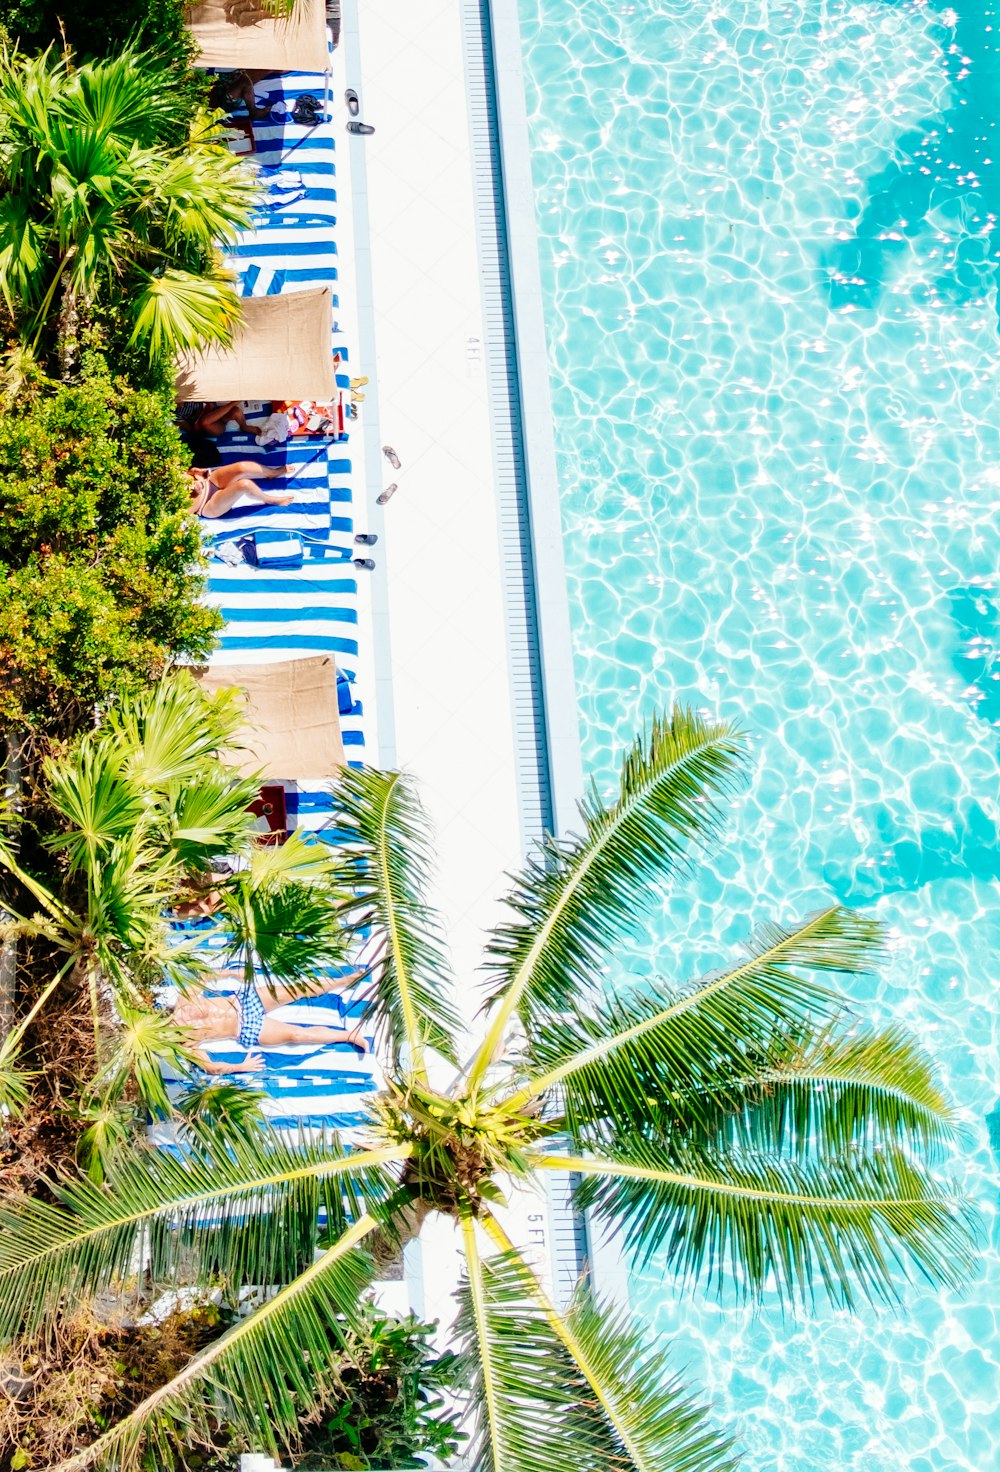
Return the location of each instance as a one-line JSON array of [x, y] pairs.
[[769, 246]]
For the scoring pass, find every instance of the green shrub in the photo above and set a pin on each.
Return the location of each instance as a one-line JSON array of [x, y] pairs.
[[396, 1409], [100, 560], [96, 28]]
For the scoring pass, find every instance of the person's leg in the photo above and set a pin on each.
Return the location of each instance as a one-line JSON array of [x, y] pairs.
[[320, 986], [243, 470], [223, 501], [214, 419], [274, 1034]]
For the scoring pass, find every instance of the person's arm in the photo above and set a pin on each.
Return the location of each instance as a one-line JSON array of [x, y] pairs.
[[252, 1063]]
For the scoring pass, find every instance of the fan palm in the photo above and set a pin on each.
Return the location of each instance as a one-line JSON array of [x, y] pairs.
[[97, 209], [740, 1126], [144, 806]]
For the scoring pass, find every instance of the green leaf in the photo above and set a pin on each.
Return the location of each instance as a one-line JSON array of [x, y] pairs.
[[580, 896], [829, 1091], [583, 1394], [387, 863], [245, 1209], [167, 735], [849, 1225], [657, 1048], [264, 1373], [177, 311]]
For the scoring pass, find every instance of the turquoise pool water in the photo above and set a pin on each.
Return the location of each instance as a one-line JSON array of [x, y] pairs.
[[769, 242]]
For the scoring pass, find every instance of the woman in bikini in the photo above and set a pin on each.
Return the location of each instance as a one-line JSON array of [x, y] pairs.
[[214, 492], [243, 1017]]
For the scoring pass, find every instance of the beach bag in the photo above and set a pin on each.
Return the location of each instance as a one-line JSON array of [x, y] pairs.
[[270, 547]]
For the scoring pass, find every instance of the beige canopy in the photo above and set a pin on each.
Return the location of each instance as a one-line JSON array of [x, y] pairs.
[[244, 34], [293, 728], [282, 350]]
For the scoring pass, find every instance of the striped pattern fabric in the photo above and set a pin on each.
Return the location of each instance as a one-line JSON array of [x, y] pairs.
[[304, 1087], [272, 614], [275, 614]]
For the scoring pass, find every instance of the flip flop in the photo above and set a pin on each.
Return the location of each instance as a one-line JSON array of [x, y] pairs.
[[391, 456], [353, 105]]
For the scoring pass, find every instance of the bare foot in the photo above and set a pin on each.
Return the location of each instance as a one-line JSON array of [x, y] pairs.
[[273, 471], [357, 1040], [284, 500]]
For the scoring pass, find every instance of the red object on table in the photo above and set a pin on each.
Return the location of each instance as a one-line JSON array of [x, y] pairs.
[[272, 811], [301, 411]]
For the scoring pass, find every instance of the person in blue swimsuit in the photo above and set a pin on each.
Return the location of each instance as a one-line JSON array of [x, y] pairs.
[[243, 1017]]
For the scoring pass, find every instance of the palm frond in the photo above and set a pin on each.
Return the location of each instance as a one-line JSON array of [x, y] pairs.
[[179, 311], [15, 1080], [298, 860], [210, 817], [827, 1091], [168, 733], [659, 1044], [581, 895], [550, 1393], [129, 97], [848, 1225], [386, 863], [91, 793], [264, 1373], [218, 1111], [655, 1423], [245, 1209], [293, 932], [141, 1042], [207, 196]]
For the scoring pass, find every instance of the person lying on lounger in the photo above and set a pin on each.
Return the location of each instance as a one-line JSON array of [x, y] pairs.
[[236, 86], [243, 1017], [211, 419], [214, 492]]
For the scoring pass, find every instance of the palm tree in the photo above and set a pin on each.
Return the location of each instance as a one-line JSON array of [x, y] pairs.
[[97, 209], [143, 806], [742, 1127]]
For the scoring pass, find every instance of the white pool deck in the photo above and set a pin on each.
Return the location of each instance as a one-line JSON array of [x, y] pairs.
[[437, 592]]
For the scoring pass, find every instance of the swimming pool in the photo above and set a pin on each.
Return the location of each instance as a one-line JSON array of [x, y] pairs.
[[769, 246]]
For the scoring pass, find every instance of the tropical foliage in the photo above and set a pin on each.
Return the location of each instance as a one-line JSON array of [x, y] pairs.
[[97, 210], [100, 561], [742, 1127], [95, 28], [140, 810]]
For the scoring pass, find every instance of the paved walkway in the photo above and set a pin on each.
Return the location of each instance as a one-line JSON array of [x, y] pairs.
[[439, 571]]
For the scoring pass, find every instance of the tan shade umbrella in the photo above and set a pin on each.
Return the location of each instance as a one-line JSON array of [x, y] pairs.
[[238, 35], [293, 726], [282, 350]]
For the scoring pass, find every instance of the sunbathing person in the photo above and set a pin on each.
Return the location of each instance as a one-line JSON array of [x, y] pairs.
[[243, 1017], [211, 419], [236, 86], [214, 492]]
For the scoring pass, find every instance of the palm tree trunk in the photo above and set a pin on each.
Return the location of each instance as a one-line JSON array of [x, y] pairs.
[[69, 333], [8, 947], [387, 1247]]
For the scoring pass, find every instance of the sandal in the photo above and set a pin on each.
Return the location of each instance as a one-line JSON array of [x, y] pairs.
[[353, 105]]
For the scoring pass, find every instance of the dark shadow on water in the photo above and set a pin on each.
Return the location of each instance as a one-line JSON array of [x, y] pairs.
[[968, 844], [950, 162]]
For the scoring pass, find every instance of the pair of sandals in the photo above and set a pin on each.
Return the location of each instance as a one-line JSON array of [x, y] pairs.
[[353, 108]]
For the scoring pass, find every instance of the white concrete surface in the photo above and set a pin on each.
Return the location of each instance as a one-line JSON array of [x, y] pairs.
[[439, 555]]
